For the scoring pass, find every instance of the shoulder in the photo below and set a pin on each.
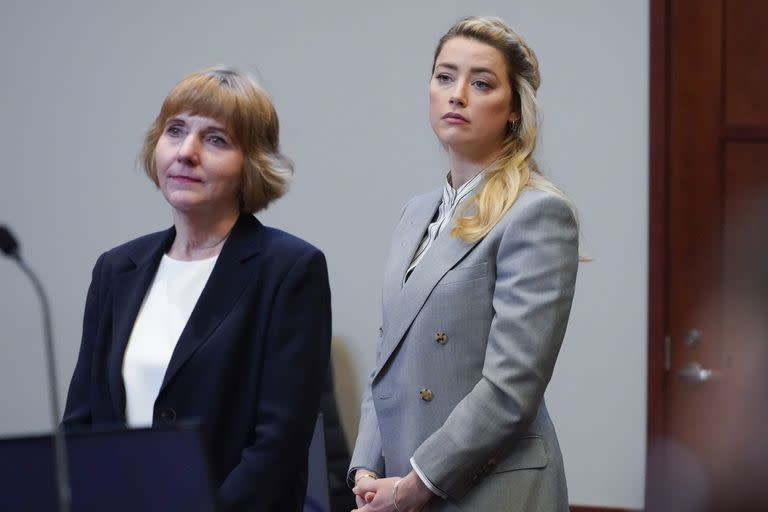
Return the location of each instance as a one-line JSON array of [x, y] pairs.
[[543, 200], [538, 218], [132, 251], [284, 252], [138, 245], [289, 258], [282, 243], [539, 207], [427, 199], [275, 246]]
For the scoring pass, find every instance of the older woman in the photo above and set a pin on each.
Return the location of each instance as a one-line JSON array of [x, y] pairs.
[[219, 319], [477, 294]]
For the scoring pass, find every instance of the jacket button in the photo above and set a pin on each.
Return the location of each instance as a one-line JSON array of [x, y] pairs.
[[426, 394], [168, 415], [441, 338]]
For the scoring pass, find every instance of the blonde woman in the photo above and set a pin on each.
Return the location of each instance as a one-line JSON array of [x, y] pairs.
[[477, 293], [219, 319]]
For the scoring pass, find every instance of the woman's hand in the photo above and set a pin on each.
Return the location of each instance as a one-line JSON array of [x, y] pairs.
[[361, 473], [376, 495]]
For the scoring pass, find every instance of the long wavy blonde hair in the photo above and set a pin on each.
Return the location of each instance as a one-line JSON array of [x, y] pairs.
[[515, 168]]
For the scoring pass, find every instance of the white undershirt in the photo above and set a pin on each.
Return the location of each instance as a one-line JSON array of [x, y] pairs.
[[164, 313]]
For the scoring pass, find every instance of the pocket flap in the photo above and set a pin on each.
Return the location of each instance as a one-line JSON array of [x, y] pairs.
[[526, 453], [460, 274]]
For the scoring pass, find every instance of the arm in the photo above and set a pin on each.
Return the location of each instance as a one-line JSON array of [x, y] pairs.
[[294, 367], [535, 278], [366, 458], [77, 412], [367, 452]]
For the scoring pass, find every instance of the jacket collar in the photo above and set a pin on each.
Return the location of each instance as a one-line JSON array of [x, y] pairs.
[[231, 273]]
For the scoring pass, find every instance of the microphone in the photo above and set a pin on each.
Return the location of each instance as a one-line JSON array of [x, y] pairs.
[[10, 247], [8, 243]]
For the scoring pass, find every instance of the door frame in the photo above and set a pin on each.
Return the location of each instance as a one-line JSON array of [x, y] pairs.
[[658, 217]]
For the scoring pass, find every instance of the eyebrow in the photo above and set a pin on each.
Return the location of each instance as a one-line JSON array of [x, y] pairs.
[[454, 67], [216, 127]]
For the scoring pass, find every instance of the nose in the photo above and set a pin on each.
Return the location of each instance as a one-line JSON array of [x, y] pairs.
[[458, 95], [189, 151], [457, 101]]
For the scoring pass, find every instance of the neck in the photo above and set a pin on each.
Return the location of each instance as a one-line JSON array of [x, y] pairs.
[[464, 168], [200, 236]]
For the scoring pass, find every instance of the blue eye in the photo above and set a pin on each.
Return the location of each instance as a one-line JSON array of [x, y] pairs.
[[481, 85], [442, 78], [217, 140], [173, 130]]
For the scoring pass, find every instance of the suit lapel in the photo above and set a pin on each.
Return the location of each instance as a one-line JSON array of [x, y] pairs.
[[407, 239], [404, 304], [129, 289], [233, 271]]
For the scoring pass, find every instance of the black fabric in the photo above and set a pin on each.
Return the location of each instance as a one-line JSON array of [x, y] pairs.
[[337, 452]]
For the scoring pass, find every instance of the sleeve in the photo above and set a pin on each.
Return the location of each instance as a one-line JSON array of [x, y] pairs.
[[367, 453], [77, 412], [294, 368], [536, 267]]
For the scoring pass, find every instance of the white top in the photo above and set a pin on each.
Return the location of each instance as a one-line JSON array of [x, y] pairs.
[[452, 198], [163, 314]]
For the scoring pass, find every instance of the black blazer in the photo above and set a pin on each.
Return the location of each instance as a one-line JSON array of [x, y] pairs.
[[249, 364]]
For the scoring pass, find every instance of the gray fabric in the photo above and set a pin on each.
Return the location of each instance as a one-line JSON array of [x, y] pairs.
[[485, 438]]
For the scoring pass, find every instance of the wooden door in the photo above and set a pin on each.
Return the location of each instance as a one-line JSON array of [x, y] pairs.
[[708, 255]]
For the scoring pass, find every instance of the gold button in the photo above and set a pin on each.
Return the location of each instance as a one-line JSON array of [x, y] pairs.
[[426, 394], [441, 338]]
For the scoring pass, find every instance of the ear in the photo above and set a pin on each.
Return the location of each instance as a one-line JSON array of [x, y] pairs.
[[514, 117]]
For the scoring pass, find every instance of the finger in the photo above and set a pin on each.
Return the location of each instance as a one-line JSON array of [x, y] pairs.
[[365, 485], [369, 496], [360, 502]]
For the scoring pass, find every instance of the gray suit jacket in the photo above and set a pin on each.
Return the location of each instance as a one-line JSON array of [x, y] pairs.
[[468, 345]]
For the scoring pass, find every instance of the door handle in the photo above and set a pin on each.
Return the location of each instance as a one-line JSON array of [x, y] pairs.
[[693, 372]]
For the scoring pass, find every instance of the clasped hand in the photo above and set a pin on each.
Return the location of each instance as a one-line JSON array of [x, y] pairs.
[[377, 494]]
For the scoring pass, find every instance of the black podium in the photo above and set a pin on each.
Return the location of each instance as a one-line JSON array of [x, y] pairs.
[[117, 471]]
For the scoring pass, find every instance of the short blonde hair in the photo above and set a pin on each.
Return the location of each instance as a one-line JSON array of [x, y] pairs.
[[246, 111]]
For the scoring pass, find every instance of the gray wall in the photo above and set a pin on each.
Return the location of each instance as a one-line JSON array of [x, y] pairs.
[[82, 80]]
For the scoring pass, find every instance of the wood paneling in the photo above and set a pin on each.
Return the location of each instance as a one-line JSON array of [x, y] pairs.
[[746, 71], [693, 226], [708, 204], [657, 242]]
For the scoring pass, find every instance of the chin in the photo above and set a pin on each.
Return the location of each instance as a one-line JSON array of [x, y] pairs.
[[458, 144], [181, 203]]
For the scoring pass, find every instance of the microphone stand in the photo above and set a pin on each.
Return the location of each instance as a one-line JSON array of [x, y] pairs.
[[9, 246]]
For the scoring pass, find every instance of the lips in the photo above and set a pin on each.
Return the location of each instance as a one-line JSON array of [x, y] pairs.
[[184, 179], [454, 118]]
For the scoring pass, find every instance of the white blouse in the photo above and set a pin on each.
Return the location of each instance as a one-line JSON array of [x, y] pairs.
[[162, 317], [452, 198]]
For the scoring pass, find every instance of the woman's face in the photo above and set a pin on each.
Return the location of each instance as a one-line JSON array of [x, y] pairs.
[[470, 98], [199, 166]]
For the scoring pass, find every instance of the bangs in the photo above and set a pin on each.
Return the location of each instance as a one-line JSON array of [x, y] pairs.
[[208, 96]]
